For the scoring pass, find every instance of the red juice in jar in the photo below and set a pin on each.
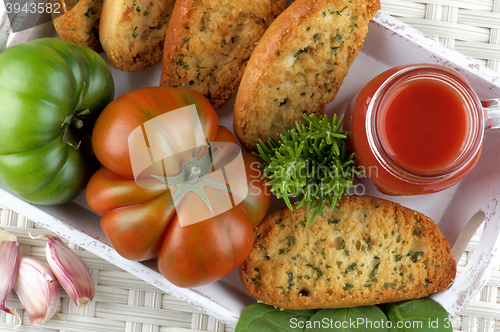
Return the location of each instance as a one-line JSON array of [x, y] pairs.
[[416, 129], [423, 125]]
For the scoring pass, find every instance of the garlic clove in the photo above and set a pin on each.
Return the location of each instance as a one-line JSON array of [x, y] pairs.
[[37, 289], [8, 263], [70, 270]]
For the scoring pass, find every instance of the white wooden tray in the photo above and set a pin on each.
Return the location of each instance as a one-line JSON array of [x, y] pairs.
[[389, 43]]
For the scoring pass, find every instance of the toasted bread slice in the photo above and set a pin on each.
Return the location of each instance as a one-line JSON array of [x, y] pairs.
[[375, 252], [209, 42], [132, 32], [299, 65], [80, 22]]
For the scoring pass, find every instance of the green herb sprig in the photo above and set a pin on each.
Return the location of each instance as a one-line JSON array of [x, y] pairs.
[[310, 160]]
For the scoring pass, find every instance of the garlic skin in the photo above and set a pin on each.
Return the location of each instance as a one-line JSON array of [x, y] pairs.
[[70, 270], [37, 289], [8, 267]]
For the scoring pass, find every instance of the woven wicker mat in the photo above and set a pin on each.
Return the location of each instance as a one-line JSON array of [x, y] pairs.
[[471, 27], [125, 303]]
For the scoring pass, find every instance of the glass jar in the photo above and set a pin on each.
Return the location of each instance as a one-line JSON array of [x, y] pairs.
[[417, 129]]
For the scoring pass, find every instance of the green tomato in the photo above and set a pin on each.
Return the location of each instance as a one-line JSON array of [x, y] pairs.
[[51, 92]]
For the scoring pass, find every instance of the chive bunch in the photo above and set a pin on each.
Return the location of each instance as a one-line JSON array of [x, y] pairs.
[[311, 161]]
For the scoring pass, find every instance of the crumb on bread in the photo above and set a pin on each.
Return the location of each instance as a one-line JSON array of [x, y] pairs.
[[80, 22]]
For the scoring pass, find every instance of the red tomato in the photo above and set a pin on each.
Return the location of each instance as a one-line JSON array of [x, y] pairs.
[[131, 110], [138, 217]]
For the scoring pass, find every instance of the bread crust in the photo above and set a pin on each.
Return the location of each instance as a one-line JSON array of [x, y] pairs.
[[376, 252], [209, 42], [299, 65], [80, 22], [132, 32]]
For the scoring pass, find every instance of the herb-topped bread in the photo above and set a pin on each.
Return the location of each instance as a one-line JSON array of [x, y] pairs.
[[209, 42], [80, 22], [299, 65], [376, 251], [132, 32]]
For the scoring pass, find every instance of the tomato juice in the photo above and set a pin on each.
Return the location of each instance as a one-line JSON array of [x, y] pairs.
[[423, 124], [417, 128]]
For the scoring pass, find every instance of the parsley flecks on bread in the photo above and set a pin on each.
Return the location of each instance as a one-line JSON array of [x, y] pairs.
[[80, 22], [376, 251], [299, 65], [209, 42], [132, 32]]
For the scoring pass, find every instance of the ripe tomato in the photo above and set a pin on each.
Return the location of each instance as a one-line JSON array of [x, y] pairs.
[[143, 212]]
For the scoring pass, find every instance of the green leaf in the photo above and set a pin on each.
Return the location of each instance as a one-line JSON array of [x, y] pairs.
[[421, 315], [259, 317], [362, 319]]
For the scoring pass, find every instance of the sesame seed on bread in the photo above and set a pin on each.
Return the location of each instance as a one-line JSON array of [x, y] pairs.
[[299, 65], [377, 251]]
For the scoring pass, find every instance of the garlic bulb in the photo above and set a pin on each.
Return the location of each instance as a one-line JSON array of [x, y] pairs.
[[8, 267], [70, 270], [37, 289]]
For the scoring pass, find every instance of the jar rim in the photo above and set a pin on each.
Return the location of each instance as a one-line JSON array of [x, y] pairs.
[[475, 132]]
